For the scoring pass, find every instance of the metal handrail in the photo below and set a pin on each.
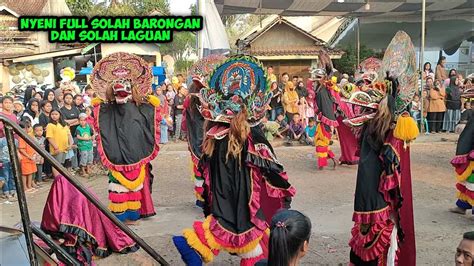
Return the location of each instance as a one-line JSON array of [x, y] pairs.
[[10, 128]]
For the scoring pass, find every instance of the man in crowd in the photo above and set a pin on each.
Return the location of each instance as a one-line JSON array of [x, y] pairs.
[[271, 76], [465, 250]]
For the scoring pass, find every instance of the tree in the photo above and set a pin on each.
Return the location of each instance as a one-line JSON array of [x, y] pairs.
[[348, 62], [182, 46], [117, 7]]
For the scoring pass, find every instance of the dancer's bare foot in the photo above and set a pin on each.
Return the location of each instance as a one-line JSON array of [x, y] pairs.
[[457, 210], [129, 222], [335, 163]]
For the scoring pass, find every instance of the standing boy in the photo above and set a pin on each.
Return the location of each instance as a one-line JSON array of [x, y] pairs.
[[84, 145]]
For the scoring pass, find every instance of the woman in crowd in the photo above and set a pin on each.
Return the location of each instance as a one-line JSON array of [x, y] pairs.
[[178, 112], [427, 70], [79, 103], [49, 95], [290, 100], [275, 103], [29, 93], [453, 105], [301, 90], [38, 96], [452, 73], [70, 114], [32, 111], [436, 107], [46, 107], [58, 100], [59, 137], [441, 70], [290, 231]]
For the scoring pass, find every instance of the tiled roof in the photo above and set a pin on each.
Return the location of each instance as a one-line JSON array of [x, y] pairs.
[[25, 7], [291, 50]]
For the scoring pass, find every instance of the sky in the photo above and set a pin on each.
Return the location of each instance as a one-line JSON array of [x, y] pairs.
[[181, 7]]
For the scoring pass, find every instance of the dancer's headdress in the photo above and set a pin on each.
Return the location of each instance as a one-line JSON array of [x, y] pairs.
[[202, 68], [238, 83], [399, 72], [122, 74]]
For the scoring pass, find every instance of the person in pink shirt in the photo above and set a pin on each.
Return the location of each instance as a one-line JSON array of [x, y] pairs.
[[7, 110]]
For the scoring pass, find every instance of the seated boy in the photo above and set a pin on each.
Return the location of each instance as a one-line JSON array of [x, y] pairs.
[[282, 130], [270, 128], [310, 131], [296, 130]]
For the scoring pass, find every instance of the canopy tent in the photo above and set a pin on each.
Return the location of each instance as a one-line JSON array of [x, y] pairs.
[[448, 23], [213, 38]]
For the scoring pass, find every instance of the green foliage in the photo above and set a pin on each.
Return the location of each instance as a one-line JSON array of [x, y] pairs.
[[182, 45], [115, 8], [182, 66], [80, 7], [348, 62]]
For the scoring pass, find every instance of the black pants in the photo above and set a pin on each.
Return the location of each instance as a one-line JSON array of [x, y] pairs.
[[435, 121]]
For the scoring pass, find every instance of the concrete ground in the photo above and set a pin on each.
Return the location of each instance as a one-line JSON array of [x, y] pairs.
[[325, 196]]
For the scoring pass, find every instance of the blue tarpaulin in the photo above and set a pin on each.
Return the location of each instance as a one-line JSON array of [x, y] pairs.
[[159, 72], [85, 71]]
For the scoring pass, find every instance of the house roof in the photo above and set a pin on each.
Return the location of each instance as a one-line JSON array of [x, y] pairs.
[[267, 24], [384, 9], [291, 50], [25, 7]]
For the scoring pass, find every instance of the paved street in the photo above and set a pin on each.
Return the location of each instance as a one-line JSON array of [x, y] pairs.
[[325, 196]]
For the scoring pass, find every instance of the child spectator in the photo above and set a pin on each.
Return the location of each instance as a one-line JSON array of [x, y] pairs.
[[88, 95], [170, 94], [296, 130], [415, 108], [166, 122], [466, 114], [7, 182], [310, 132], [84, 145], [7, 110], [283, 124], [27, 160], [90, 117], [79, 103], [59, 137], [19, 109], [39, 160], [426, 104], [270, 128], [302, 106], [310, 100], [178, 112]]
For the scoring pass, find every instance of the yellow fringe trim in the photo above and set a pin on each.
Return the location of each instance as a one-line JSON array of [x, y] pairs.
[[214, 245], [153, 100], [469, 169], [96, 101], [465, 198], [198, 196], [209, 237], [195, 243], [321, 140], [322, 154], [124, 206], [131, 185], [406, 128]]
